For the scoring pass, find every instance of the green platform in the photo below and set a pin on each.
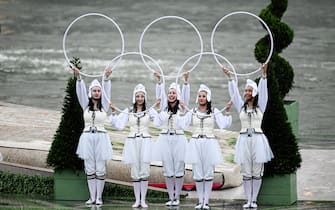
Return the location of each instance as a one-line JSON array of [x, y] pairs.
[[70, 185], [292, 111], [278, 190], [282, 190]]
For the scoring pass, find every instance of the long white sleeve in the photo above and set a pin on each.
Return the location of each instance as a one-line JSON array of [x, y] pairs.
[[152, 113], [120, 121], [223, 121], [82, 94], [185, 94], [106, 94], [160, 118], [262, 94], [184, 121], [160, 94], [235, 95]]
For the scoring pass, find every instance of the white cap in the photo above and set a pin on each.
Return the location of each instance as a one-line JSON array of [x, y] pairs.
[[252, 84], [94, 83], [207, 90], [177, 88], [139, 88]]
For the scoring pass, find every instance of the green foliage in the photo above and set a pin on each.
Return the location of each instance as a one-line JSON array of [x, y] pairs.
[[11, 183], [231, 141], [280, 80], [62, 154], [25, 184], [230, 158]]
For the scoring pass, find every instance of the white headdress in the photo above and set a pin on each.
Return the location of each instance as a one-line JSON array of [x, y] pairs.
[[139, 88], [94, 83], [207, 90], [252, 84], [177, 88]]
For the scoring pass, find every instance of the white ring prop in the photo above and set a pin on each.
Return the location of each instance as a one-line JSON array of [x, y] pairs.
[[171, 17], [78, 18], [265, 25], [147, 56], [208, 53]]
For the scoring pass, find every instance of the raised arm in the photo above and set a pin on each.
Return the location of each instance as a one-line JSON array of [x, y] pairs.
[[263, 89], [160, 91], [80, 89], [106, 91], [185, 93], [233, 91]]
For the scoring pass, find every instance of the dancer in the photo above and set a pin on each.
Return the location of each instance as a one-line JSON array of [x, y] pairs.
[[94, 144], [252, 149], [203, 149], [171, 141], [137, 149]]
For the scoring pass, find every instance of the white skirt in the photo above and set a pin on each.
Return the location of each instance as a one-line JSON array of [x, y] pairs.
[[209, 147], [95, 145], [259, 142], [167, 145], [137, 149]]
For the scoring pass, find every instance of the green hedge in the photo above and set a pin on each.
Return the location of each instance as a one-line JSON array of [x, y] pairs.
[[25, 184], [11, 183]]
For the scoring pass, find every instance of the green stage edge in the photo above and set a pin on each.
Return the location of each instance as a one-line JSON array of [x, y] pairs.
[[70, 185]]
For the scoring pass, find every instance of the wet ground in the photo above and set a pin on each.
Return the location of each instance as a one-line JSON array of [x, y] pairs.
[[19, 202]]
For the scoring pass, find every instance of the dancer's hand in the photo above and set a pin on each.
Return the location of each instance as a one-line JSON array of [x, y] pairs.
[[186, 75], [158, 103], [157, 75], [264, 68], [228, 106], [112, 107], [108, 72], [227, 72], [76, 72]]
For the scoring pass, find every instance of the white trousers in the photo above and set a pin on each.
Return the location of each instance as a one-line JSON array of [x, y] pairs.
[[95, 167]]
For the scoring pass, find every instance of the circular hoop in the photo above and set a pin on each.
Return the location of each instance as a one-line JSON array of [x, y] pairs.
[[207, 53], [141, 54], [171, 17], [78, 18], [265, 25]]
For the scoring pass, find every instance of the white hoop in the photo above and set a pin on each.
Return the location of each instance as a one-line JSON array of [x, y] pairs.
[[147, 56], [173, 17], [264, 24], [207, 53], [78, 18]]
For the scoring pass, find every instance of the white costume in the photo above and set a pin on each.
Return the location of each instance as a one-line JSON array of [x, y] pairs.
[[203, 149], [170, 146], [137, 149], [94, 145], [252, 149]]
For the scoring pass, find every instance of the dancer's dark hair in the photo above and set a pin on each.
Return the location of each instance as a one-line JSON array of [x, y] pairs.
[[254, 104], [173, 109], [143, 107]]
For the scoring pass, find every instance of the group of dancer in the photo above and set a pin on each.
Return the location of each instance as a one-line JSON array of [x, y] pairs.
[[172, 115]]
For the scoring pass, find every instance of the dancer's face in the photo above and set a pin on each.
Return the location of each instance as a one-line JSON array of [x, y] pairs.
[[96, 93], [202, 98], [172, 95], [248, 93], [140, 98]]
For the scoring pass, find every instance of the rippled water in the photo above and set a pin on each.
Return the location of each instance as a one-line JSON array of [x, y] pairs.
[[33, 69]]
